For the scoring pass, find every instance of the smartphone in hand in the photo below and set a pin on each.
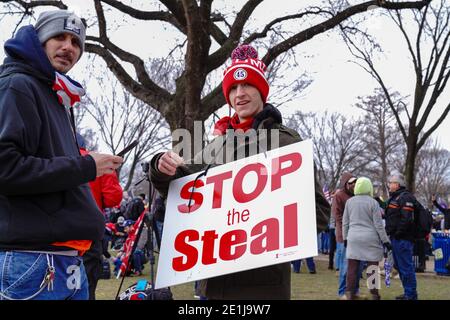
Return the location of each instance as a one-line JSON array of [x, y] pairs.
[[128, 148]]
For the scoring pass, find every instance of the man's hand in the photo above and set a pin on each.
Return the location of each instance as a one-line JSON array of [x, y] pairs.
[[387, 246], [105, 163], [169, 162]]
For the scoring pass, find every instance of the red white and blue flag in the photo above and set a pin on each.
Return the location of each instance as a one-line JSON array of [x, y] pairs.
[[327, 193], [129, 244], [69, 91]]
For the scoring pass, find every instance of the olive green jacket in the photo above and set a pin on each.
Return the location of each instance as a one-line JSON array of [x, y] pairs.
[[272, 282]]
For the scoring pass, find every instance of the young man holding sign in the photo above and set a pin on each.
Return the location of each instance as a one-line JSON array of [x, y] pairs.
[[245, 89]]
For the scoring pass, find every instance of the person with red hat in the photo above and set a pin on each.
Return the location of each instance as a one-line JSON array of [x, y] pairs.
[[246, 89]]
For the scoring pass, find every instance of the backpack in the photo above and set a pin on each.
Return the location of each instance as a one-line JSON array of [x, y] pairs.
[[142, 290], [423, 220]]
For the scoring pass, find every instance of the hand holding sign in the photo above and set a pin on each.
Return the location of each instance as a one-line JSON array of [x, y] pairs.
[[246, 214], [169, 162]]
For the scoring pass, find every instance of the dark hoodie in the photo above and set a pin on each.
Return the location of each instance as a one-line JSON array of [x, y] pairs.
[[44, 197], [338, 205]]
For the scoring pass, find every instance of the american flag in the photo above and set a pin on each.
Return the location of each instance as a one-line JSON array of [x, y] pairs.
[[69, 91], [129, 244], [327, 193]]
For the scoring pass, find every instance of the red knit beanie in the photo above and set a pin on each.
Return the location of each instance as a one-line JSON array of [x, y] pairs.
[[245, 68]]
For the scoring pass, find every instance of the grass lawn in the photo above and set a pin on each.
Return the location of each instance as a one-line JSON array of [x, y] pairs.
[[320, 286]]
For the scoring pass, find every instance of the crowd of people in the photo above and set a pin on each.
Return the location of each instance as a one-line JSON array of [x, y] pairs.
[[364, 229]]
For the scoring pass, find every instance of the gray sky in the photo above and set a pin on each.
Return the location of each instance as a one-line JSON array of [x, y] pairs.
[[337, 82]]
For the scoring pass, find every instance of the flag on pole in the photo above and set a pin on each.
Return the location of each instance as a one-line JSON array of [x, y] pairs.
[[327, 193], [129, 244]]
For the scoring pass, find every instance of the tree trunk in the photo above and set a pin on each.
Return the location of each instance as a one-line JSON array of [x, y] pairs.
[[411, 155], [130, 175]]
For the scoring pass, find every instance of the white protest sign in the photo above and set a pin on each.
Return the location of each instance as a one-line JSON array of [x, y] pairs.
[[250, 213]]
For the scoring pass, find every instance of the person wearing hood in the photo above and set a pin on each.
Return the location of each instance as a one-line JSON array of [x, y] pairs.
[[245, 89], [400, 227], [48, 217], [364, 236], [345, 192]]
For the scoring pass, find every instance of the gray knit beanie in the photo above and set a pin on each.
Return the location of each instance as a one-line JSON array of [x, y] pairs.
[[52, 23]]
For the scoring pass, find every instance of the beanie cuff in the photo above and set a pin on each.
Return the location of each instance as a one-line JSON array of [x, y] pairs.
[[243, 72], [53, 23]]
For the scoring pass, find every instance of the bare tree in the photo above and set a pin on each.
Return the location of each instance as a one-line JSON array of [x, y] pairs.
[[429, 50], [433, 172], [121, 119], [381, 137], [201, 27], [337, 144]]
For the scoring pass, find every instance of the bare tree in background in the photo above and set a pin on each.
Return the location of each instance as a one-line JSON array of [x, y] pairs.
[[121, 119], [89, 135], [433, 172], [210, 36], [381, 137], [337, 144], [429, 51]]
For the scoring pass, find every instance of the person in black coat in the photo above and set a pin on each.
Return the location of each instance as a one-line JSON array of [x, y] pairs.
[[445, 211], [48, 217], [400, 227]]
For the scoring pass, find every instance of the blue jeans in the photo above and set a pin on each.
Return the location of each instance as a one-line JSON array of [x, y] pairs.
[[22, 273], [341, 264], [138, 260], [325, 242], [338, 256], [297, 264], [159, 230], [402, 251]]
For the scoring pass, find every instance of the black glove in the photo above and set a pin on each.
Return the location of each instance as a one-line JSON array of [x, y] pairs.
[[387, 246], [345, 243]]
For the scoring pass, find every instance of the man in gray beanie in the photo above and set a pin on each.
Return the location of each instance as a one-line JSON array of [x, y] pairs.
[[399, 216], [48, 217], [62, 33], [53, 23]]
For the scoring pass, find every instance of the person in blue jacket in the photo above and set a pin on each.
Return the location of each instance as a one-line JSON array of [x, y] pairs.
[[48, 217]]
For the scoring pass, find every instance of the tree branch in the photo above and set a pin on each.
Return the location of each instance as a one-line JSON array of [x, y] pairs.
[[37, 3], [428, 133], [159, 100], [309, 33], [146, 15], [177, 10], [267, 28], [217, 58]]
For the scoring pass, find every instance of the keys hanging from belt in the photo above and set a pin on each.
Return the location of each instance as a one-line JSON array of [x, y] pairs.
[[50, 274]]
